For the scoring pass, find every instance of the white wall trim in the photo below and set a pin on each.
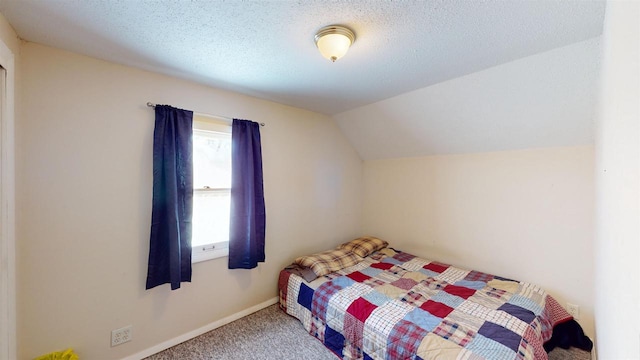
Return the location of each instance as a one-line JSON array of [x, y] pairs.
[[197, 332], [7, 210]]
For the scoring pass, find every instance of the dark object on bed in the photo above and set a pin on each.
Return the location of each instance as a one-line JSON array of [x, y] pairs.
[[568, 334]]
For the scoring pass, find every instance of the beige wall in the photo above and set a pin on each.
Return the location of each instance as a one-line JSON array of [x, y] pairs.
[[618, 187], [525, 214], [84, 204]]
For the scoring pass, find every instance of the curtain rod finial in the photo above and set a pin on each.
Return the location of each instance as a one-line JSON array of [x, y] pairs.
[[150, 104]]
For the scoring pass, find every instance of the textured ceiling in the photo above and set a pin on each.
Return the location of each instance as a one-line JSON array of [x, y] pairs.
[[266, 49]]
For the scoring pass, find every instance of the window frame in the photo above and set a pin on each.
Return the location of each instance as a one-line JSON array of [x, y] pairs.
[[220, 249]]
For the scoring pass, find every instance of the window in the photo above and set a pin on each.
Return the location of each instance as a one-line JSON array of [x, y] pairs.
[[211, 188]]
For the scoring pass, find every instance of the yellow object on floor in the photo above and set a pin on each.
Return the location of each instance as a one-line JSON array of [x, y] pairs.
[[59, 355]]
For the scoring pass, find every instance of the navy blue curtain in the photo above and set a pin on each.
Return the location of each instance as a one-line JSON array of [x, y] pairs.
[[247, 221], [170, 245]]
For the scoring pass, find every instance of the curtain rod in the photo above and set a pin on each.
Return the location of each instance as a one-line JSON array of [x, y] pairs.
[[152, 105]]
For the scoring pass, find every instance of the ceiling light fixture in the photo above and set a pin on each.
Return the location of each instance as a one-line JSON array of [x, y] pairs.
[[334, 41]]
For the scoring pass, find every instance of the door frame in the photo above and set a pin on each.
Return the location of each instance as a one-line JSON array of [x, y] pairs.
[[7, 207]]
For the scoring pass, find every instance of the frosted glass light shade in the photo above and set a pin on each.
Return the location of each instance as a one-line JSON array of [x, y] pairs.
[[334, 41]]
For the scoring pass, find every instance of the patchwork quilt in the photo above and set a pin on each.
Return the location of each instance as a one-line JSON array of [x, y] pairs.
[[394, 305]]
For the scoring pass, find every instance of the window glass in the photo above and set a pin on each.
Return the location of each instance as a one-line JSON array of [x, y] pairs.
[[211, 190], [211, 159]]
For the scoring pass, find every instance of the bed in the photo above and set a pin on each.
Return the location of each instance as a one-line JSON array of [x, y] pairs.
[[365, 300]]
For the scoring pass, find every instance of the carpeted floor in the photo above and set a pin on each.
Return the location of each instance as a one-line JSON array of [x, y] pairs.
[[270, 334]]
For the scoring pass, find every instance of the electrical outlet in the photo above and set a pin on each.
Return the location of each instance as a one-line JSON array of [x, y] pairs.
[[574, 310], [122, 335]]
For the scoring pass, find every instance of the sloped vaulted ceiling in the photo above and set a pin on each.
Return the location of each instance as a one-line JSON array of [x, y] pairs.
[[544, 100]]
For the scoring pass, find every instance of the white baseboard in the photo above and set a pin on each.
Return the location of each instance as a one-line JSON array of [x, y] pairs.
[[197, 332]]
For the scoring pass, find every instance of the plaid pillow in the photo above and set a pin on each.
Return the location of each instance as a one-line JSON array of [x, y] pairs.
[[328, 261], [364, 246]]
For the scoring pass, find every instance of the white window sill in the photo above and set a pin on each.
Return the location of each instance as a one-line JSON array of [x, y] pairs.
[[209, 252]]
